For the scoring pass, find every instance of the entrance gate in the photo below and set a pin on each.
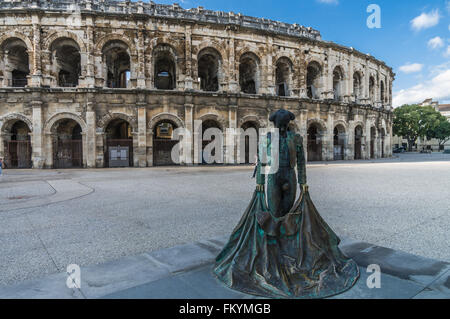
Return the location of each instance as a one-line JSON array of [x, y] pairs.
[[163, 152], [119, 153], [69, 154], [18, 154]]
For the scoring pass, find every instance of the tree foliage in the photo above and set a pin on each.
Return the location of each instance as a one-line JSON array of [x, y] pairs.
[[414, 121]]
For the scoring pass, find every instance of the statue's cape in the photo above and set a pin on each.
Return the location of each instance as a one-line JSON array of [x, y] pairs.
[[296, 256]]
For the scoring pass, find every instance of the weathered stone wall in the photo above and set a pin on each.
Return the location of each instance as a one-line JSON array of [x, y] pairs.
[[143, 30]]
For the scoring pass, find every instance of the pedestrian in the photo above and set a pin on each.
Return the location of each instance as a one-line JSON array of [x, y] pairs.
[[1, 166]]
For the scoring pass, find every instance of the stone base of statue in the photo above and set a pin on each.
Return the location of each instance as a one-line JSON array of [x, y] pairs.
[[296, 256]]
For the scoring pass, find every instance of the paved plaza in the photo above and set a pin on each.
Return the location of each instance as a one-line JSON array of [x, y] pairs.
[[52, 218]]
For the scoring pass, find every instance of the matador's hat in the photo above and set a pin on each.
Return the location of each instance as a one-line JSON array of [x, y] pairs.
[[282, 118]]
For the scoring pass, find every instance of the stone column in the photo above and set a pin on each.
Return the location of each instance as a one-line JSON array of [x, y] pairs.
[[38, 154], [189, 126], [350, 142], [141, 58], [142, 134], [349, 94], [233, 66], [89, 80], [232, 120], [268, 83], [188, 82], [90, 134], [303, 125], [328, 139], [36, 67]]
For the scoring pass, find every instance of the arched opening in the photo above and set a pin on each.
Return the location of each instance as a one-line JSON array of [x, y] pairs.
[[382, 93], [373, 136], [119, 144], [164, 67], [314, 143], [66, 62], [18, 146], [163, 143], [249, 73], [382, 137], [15, 63], [249, 143], [358, 142], [209, 64], [372, 89], [357, 86], [209, 155], [68, 144], [338, 83], [313, 75], [339, 142], [283, 73], [118, 64]]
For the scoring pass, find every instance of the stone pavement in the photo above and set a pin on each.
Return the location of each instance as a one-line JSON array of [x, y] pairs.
[[184, 272]]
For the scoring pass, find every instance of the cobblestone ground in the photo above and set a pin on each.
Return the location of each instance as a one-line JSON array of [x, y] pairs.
[[52, 218]]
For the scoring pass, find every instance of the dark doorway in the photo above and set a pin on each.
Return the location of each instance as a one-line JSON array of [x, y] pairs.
[[358, 142], [314, 144], [164, 67], [208, 69], [163, 143], [249, 143], [119, 144], [68, 145], [339, 143], [248, 73], [206, 125], [372, 142], [18, 148], [16, 61]]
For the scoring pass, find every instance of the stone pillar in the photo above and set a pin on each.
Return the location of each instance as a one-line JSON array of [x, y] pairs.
[[90, 134], [38, 154], [350, 142], [189, 126], [36, 67], [4, 138], [142, 134], [233, 66], [232, 120], [141, 58], [303, 125], [268, 83], [89, 80], [188, 82], [349, 94], [328, 139], [100, 142]]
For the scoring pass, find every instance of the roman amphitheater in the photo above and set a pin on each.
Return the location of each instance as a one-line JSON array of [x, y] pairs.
[[101, 83]]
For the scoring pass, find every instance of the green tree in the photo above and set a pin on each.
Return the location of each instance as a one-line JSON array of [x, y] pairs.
[[441, 131], [414, 121]]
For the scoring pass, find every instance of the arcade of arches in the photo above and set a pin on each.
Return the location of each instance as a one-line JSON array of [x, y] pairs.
[[119, 144]]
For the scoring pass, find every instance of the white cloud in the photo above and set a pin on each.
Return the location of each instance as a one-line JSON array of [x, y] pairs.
[[411, 68], [438, 88], [436, 43], [329, 1], [447, 53], [425, 20]]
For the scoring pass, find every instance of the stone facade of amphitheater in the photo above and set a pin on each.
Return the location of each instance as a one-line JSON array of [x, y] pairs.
[[77, 77]]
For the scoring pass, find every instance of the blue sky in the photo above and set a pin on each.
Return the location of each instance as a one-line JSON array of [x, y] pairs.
[[414, 37]]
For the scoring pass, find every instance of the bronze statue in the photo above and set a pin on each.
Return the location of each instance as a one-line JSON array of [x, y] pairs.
[[284, 249]]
